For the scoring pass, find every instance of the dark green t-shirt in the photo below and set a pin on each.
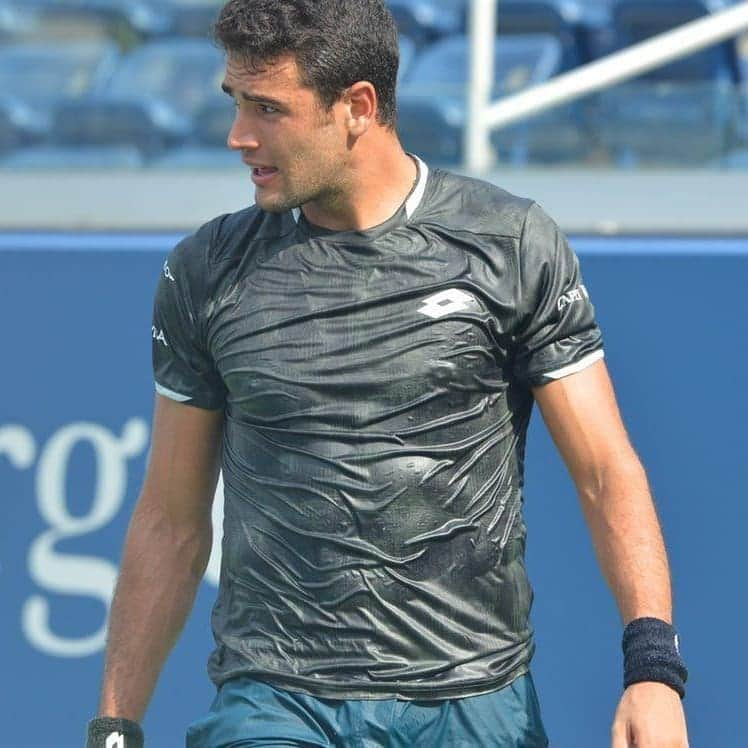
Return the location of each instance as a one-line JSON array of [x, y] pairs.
[[377, 392]]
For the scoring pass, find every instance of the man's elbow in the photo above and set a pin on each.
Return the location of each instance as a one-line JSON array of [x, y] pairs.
[[617, 477]]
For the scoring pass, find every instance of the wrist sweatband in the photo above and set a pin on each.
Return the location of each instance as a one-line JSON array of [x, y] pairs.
[[114, 732], [650, 653]]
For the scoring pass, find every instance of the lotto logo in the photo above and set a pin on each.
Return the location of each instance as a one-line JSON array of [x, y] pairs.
[[446, 302], [115, 740]]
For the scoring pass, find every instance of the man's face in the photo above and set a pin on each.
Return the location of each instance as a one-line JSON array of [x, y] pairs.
[[297, 150]]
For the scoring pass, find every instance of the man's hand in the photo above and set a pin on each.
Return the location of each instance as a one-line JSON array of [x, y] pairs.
[[649, 715]]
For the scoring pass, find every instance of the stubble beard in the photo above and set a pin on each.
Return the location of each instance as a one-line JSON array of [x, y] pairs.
[[322, 194]]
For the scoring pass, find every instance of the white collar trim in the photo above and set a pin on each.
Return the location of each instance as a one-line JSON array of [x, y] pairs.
[[412, 203]]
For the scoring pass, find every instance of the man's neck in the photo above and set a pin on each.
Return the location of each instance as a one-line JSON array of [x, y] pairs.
[[377, 184]]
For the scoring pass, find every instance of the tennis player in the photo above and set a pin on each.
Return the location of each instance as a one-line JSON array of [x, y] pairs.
[[359, 352]]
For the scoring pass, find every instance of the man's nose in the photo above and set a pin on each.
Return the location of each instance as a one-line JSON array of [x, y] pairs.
[[241, 135]]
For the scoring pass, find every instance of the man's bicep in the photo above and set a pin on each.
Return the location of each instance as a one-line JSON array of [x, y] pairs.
[[184, 459], [582, 416]]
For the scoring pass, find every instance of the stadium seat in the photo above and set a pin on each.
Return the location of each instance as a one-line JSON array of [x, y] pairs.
[[15, 21], [637, 20], [682, 113], [192, 17], [126, 21], [150, 101], [36, 77], [90, 157], [661, 123], [432, 111], [424, 21], [593, 26], [571, 21], [559, 19]]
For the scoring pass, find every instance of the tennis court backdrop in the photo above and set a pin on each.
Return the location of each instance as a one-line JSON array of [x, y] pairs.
[[75, 409]]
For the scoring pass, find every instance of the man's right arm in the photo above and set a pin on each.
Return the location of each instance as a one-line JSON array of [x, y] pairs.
[[165, 556]]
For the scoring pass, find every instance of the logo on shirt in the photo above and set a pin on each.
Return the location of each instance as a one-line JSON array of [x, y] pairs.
[[446, 302], [576, 294], [115, 740], [167, 272], [158, 334]]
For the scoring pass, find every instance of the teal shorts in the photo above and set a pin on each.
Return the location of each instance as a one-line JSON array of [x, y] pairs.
[[248, 713]]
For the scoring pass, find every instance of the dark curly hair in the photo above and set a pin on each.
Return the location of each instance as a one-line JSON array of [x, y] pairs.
[[335, 43]]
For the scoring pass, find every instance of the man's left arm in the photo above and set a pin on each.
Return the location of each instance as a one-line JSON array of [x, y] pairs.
[[582, 415]]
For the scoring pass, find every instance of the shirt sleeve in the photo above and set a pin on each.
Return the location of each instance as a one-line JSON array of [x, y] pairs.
[[556, 332], [183, 368]]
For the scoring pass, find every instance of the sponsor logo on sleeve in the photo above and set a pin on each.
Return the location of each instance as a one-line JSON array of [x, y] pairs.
[[158, 334], [115, 740], [168, 273], [570, 297]]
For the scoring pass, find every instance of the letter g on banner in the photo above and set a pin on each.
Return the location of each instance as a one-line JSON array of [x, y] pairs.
[[67, 573]]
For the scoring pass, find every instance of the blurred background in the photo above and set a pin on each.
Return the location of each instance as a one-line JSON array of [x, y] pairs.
[[112, 147], [132, 84]]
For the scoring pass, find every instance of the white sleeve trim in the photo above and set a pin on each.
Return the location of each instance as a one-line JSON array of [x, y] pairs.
[[580, 365], [166, 392]]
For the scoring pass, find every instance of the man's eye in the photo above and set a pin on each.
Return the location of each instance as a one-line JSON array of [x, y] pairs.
[[267, 108]]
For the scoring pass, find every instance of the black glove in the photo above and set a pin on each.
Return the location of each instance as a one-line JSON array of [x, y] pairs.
[[113, 732]]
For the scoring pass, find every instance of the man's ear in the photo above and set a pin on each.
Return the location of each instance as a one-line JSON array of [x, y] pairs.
[[361, 103]]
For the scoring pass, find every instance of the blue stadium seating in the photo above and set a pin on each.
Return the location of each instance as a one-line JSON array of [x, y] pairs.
[[427, 20], [150, 100], [637, 20], [192, 17], [143, 18], [683, 113], [161, 100], [576, 23], [126, 20], [432, 112], [36, 77], [15, 21], [83, 157], [559, 19]]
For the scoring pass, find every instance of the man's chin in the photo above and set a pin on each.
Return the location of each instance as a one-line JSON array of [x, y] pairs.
[[272, 204]]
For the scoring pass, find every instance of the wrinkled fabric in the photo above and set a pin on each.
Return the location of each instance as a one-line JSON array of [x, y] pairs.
[[377, 392]]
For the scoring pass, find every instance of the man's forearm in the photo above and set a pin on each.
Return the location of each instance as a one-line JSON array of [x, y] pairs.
[[162, 567], [628, 540]]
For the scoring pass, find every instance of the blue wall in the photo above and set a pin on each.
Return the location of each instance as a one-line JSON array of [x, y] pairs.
[[75, 402]]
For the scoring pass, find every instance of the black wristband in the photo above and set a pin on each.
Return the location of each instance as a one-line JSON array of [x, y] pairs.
[[650, 653], [114, 732]]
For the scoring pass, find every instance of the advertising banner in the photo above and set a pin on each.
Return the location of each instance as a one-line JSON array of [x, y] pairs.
[[76, 397]]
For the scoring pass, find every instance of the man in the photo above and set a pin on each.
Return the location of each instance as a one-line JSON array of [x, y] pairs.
[[360, 351]]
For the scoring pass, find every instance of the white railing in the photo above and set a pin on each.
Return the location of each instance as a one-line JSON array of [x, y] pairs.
[[484, 116]]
